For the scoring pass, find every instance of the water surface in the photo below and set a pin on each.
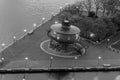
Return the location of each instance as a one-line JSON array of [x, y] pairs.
[[17, 15]]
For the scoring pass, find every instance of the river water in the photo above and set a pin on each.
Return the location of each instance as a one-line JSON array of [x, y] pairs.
[[17, 15]]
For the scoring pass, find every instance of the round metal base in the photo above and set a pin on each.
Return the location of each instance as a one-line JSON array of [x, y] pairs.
[[45, 47]]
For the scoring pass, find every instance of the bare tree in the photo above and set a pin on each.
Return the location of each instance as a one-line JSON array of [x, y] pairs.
[[109, 7], [98, 6], [88, 5], [79, 5], [103, 6]]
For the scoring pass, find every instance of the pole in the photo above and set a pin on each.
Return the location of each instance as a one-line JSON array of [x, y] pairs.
[[3, 46], [51, 58], [43, 20], [24, 77], [99, 58], [1, 61], [75, 58], [14, 39], [26, 59], [60, 8], [25, 31], [52, 15], [34, 26], [108, 42]]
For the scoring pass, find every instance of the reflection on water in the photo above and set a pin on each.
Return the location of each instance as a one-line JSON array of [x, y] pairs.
[[117, 77], [15, 15], [61, 76], [96, 78]]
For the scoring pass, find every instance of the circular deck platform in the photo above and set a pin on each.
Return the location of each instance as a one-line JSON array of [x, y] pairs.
[[45, 47]]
